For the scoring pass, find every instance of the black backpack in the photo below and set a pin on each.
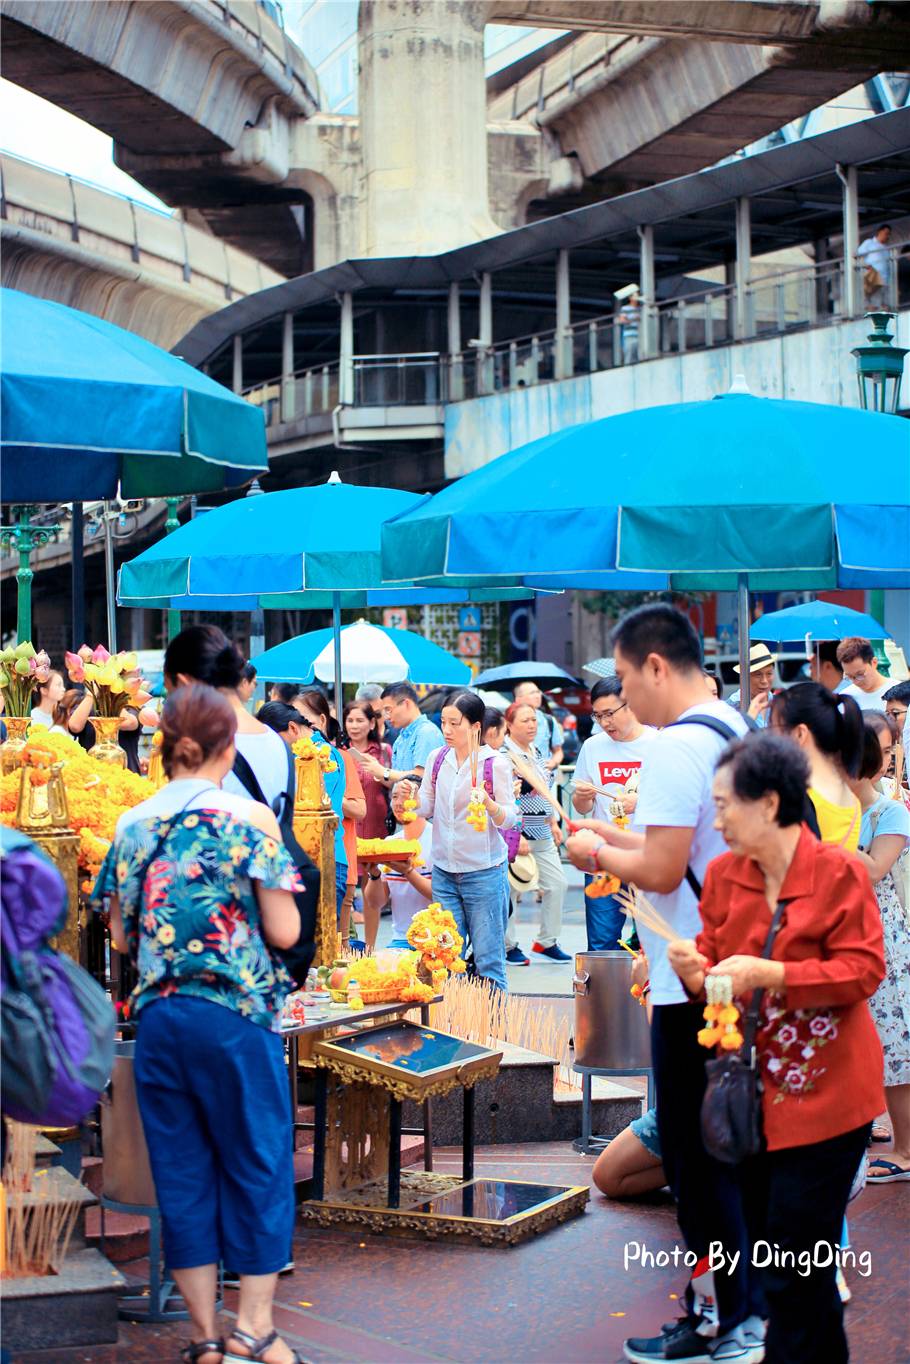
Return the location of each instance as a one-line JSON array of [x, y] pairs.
[[299, 958]]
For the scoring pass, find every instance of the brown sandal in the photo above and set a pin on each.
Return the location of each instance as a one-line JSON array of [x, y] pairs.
[[257, 1348], [192, 1353]]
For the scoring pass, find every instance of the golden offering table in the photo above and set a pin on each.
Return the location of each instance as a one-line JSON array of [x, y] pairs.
[[362, 1079]]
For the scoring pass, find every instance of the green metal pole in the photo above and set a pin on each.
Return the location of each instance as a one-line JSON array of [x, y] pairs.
[[22, 538], [172, 524]]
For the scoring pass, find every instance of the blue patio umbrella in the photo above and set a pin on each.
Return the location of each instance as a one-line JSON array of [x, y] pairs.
[[87, 406], [304, 548], [816, 620], [369, 653], [738, 492]]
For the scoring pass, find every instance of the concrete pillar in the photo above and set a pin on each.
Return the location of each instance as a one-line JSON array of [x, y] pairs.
[[847, 177], [485, 334], [456, 361], [237, 377], [287, 368], [563, 359], [741, 317], [647, 333], [346, 351], [423, 121]]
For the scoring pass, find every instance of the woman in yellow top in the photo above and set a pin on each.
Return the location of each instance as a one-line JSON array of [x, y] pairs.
[[829, 729]]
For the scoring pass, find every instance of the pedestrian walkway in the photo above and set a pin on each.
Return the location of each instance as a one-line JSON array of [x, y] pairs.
[[565, 1296]]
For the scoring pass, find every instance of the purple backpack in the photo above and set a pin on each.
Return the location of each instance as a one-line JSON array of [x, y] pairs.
[[510, 837], [57, 1023]]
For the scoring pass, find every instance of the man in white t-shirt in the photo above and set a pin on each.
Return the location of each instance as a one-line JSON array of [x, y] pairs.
[[866, 684], [609, 762], [658, 661]]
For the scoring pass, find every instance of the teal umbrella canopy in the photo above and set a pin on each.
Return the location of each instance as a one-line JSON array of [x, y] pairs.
[[738, 491], [816, 620], [87, 405], [305, 548]]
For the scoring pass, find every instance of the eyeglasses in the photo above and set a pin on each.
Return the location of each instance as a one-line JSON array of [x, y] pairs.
[[601, 715], [896, 712]]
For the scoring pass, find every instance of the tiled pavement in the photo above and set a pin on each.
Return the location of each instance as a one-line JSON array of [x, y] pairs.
[[563, 1298]]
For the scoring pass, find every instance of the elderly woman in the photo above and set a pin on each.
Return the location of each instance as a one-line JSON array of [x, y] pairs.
[[819, 1054], [200, 894]]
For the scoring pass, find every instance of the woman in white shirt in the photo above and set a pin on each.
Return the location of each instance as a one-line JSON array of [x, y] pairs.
[[470, 865]]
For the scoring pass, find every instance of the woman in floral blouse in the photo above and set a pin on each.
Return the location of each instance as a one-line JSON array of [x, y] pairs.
[[200, 891], [819, 1054]]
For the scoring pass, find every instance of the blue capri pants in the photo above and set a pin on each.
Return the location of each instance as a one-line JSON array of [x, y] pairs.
[[213, 1095]]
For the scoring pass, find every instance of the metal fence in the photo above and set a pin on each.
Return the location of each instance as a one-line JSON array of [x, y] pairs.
[[767, 305]]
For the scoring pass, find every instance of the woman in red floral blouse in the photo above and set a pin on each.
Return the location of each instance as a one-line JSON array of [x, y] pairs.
[[819, 1054]]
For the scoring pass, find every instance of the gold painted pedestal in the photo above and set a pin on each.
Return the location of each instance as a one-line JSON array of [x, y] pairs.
[[314, 829]]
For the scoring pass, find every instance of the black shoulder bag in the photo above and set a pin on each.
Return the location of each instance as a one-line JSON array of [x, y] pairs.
[[731, 1120], [299, 958]]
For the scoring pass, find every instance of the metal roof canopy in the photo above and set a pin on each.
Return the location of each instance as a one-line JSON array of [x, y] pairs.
[[795, 198]]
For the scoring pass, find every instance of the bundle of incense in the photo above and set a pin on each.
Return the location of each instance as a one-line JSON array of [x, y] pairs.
[[636, 903], [528, 773]]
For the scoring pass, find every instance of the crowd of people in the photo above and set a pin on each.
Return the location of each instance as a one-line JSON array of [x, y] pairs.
[[773, 846]]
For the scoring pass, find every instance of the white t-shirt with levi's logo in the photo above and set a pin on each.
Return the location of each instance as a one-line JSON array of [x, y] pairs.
[[611, 764]]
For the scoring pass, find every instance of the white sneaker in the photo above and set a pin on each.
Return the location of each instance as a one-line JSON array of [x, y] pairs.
[[733, 1349]]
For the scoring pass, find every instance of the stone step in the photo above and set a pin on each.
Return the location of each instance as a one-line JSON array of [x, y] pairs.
[[93, 1173], [75, 1307], [520, 1105], [126, 1235]]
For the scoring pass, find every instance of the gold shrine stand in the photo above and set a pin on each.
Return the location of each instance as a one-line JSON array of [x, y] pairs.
[[362, 1079]]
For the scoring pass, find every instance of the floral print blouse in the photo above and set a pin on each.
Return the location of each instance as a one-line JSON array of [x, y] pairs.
[[190, 915]]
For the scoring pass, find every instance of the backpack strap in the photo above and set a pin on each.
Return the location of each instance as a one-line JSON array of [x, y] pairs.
[[488, 777], [437, 764], [725, 731], [248, 779]]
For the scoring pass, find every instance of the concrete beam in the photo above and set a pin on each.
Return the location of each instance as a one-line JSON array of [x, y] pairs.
[[737, 21]]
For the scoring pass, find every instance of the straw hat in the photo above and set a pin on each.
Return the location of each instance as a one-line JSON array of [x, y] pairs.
[[523, 874], [760, 656]]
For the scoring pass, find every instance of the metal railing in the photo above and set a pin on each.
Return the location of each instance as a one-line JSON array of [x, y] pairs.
[[409, 380], [767, 305]]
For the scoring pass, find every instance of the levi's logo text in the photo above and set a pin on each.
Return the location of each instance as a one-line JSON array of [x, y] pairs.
[[617, 773]]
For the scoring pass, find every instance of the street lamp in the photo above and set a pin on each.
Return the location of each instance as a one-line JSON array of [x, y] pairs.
[[879, 367], [21, 539]]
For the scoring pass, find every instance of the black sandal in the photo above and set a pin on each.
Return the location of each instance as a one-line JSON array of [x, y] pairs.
[[192, 1353], [257, 1348]]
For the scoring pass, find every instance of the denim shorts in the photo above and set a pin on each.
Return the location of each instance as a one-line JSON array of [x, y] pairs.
[[645, 1128]]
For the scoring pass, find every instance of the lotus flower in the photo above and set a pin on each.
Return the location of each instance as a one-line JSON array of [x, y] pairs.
[[127, 662], [8, 655], [26, 649], [75, 667], [140, 698], [22, 667], [85, 652], [4, 677], [116, 687], [100, 654]]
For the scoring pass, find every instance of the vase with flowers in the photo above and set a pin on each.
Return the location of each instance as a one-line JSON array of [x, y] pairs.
[[23, 668], [114, 683]]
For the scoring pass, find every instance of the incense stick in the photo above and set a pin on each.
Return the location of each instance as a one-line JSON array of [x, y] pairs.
[[636, 903]]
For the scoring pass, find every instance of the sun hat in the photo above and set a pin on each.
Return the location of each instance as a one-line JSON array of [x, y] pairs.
[[523, 874], [760, 656]]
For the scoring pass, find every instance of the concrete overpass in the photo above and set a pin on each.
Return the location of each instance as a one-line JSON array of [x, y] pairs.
[[198, 95], [651, 89], [143, 270]]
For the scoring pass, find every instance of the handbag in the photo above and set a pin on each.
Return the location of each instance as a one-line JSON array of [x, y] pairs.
[[731, 1115]]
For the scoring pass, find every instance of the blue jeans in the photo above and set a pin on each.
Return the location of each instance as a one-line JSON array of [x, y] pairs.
[[341, 885], [604, 920], [479, 901], [213, 1095]]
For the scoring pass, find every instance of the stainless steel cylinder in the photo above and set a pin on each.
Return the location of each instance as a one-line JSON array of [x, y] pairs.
[[611, 1028]]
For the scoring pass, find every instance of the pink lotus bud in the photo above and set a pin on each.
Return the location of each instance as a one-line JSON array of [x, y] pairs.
[[100, 654], [140, 698], [74, 666], [85, 653]]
